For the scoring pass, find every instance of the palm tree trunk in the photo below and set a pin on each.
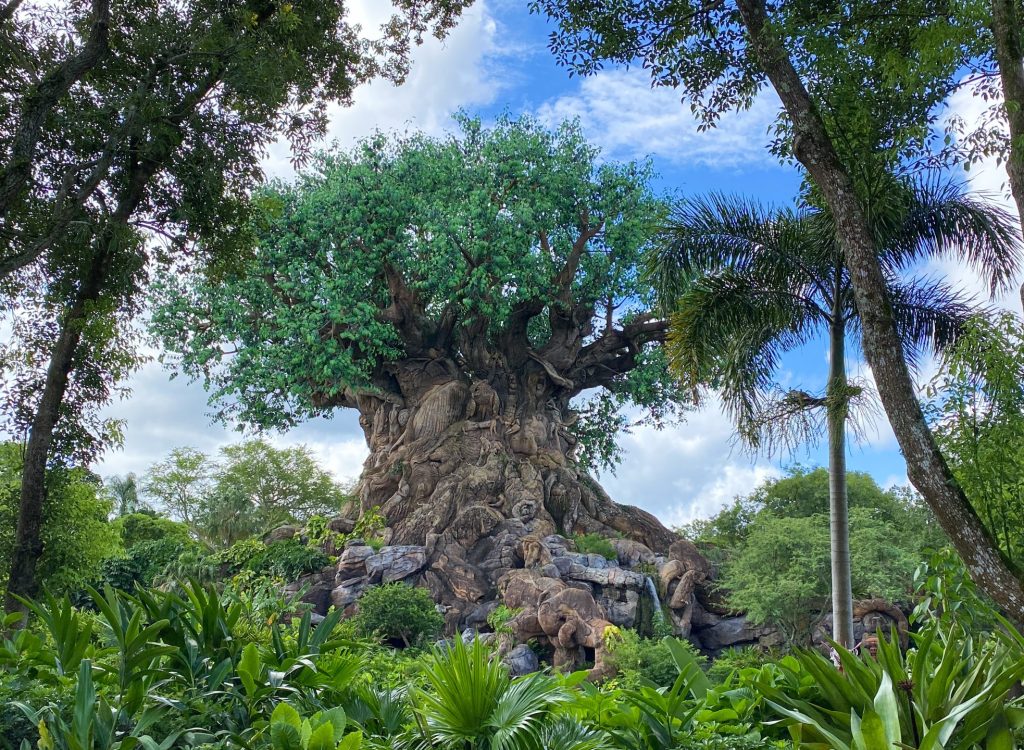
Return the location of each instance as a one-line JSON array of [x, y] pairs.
[[837, 409]]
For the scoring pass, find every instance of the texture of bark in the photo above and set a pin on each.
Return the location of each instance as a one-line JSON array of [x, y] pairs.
[[837, 406], [1006, 30], [476, 468], [926, 467]]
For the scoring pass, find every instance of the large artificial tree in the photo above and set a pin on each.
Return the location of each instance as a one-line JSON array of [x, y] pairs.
[[476, 298]]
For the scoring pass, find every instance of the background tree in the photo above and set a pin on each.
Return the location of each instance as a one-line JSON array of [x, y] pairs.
[[124, 492], [160, 134], [977, 413], [460, 293], [747, 284], [773, 546], [859, 88], [178, 484], [257, 487]]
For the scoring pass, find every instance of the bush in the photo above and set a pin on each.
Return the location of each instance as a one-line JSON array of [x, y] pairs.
[[144, 527], [638, 659], [290, 559], [735, 658], [595, 544], [238, 556], [398, 612], [143, 563]]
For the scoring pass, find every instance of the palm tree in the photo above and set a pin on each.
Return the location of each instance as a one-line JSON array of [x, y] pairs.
[[745, 284]]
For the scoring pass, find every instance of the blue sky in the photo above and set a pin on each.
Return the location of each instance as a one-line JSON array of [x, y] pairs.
[[497, 61]]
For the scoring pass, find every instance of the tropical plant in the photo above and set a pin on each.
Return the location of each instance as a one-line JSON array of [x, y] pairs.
[[977, 415], [746, 284], [324, 730], [946, 691], [594, 544], [469, 701], [398, 611]]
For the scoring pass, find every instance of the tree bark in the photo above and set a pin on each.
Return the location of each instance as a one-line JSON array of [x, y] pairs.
[[1010, 58], [837, 408], [28, 545], [883, 349]]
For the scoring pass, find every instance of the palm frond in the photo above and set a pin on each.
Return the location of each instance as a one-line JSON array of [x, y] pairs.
[[929, 315], [520, 713], [709, 234], [935, 217], [566, 733]]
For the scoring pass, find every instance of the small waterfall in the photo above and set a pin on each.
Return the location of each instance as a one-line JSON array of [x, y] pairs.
[[658, 622]]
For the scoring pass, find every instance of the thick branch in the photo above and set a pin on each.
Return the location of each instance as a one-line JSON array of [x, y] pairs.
[[926, 466], [1010, 56], [15, 175], [615, 352]]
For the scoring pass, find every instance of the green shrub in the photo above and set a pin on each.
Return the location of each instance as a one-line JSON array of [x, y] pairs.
[[735, 658], [238, 556], [638, 659], [145, 527], [398, 612], [595, 544], [289, 560], [143, 563], [499, 617]]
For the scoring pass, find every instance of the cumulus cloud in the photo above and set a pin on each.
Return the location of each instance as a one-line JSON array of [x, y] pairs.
[[626, 117], [446, 75], [686, 471]]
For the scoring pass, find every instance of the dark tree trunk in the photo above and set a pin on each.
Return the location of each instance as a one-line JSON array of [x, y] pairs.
[[28, 544], [926, 466], [473, 467], [1006, 23]]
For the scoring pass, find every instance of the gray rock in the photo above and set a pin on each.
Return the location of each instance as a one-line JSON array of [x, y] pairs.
[[348, 592], [607, 576], [521, 660], [620, 609], [632, 553], [730, 631], [395, 563], [478, 617], [281, 534], [341, 525], [562, 564], [352, 562], [551, 570]]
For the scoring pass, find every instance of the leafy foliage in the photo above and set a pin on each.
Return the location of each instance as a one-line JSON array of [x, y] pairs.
[[977, 414], [288, 560], [596, 544], [397, 611], [77, 536]]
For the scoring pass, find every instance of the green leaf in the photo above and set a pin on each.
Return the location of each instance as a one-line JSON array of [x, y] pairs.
[[352, 741], [322, 738], [285, 714], [999, 736], [888, 711], [284, 736], [872, 733]]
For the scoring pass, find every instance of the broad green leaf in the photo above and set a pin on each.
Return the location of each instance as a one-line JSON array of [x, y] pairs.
[[285, 714]]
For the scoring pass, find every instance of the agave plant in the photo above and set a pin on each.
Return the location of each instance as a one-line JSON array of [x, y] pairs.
[[945, 692]]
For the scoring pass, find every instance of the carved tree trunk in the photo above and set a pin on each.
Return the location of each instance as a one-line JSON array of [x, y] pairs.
[[471, 467]]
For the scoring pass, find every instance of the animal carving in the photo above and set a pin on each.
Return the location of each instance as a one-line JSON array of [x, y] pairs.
[[439, 410], [484, 403], [535, 553]]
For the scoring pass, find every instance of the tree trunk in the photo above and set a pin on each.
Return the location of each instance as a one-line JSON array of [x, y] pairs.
[[28, 544], [476, 470], [1010, 57], [837, 408], [883, 349]]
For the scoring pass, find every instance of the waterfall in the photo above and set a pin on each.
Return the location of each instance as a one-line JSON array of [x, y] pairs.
[[658, 622]]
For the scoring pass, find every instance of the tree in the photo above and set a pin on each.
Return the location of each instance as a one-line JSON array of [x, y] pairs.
[[460, 293], [157, 134], [977, 413], [258, 487], [179, 484], [76, 529], [773, 546], [747, 284], [124, 492], [859, 88]]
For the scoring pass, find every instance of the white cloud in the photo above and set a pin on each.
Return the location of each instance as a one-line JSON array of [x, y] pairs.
[[687, 471], [626, 117], [446, 75], [988, 178]]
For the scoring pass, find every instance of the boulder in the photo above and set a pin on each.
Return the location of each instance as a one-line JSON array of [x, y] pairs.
[[521, 660], [348, 592], [632, 553], [733, 631], [395, 563], [281, 534], [352, 562]]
